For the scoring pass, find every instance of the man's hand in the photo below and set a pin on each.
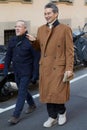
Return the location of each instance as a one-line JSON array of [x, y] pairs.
[[69, 73], [30, 37]]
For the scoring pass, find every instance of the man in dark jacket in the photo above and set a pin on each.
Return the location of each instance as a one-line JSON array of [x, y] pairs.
[[21, 54]]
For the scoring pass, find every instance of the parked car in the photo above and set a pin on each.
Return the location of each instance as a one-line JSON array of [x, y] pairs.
[[5, 88]]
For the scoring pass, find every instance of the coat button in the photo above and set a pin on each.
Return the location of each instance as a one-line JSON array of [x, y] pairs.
[[54, 68], [58, 45]]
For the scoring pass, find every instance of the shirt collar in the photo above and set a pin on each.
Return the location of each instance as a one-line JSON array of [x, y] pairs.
[[53, 24]]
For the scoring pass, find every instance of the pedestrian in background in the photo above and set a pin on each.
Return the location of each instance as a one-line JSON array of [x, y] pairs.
[[55, 42], [21, 53]]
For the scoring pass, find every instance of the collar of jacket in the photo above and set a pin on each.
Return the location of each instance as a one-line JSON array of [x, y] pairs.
[[21, 37], [56, 23]]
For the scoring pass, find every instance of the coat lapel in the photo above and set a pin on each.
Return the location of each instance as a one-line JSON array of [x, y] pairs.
[[49, 33]]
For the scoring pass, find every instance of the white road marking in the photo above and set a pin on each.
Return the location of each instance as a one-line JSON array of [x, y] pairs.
[[12, 106], [37, 95], [78, 78]]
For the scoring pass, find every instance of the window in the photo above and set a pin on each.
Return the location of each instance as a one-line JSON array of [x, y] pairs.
[[69, 1], [3, 0], [27, 0], [16, 1], [85, 1], [7, 35]]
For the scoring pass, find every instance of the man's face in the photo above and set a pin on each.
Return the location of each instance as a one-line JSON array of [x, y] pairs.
[[49, 15], [20, 28]]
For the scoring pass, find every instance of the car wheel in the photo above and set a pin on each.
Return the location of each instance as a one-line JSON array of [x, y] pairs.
[[9, 89]]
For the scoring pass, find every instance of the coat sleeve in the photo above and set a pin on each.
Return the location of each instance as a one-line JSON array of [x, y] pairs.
[[36, 58], [36, 43], [69, 49]]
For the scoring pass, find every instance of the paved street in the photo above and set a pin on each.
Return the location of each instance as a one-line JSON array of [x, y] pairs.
[[76, 109]]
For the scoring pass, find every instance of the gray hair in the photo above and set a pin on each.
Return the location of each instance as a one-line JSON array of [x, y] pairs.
[[24, 22], [53, 6]]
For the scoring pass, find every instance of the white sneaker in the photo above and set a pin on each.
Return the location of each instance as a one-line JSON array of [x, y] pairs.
[[62, 119], [50, 122]]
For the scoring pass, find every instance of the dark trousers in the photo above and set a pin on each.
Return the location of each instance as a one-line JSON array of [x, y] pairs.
[[23, 94], [55, 109]]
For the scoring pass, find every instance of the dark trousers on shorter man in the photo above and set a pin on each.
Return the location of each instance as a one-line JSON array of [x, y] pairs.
[[55, 109], [23, 94]]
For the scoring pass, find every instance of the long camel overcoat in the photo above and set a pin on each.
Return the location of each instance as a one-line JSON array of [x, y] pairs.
[[57, 56]]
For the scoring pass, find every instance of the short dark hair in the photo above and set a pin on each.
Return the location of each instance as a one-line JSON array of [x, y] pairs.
[[53, 6]]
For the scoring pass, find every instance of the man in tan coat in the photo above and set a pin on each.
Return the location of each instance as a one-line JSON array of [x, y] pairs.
[[57, 57]]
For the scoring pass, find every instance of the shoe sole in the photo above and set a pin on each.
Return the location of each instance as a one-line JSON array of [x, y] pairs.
[[13, 123], [54, 123], [62, 124]]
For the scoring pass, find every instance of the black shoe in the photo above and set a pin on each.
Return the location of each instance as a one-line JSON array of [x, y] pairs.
[[14, 120], [30, 109]]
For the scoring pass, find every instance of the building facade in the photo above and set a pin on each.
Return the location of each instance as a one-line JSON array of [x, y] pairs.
[[71, 12]]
